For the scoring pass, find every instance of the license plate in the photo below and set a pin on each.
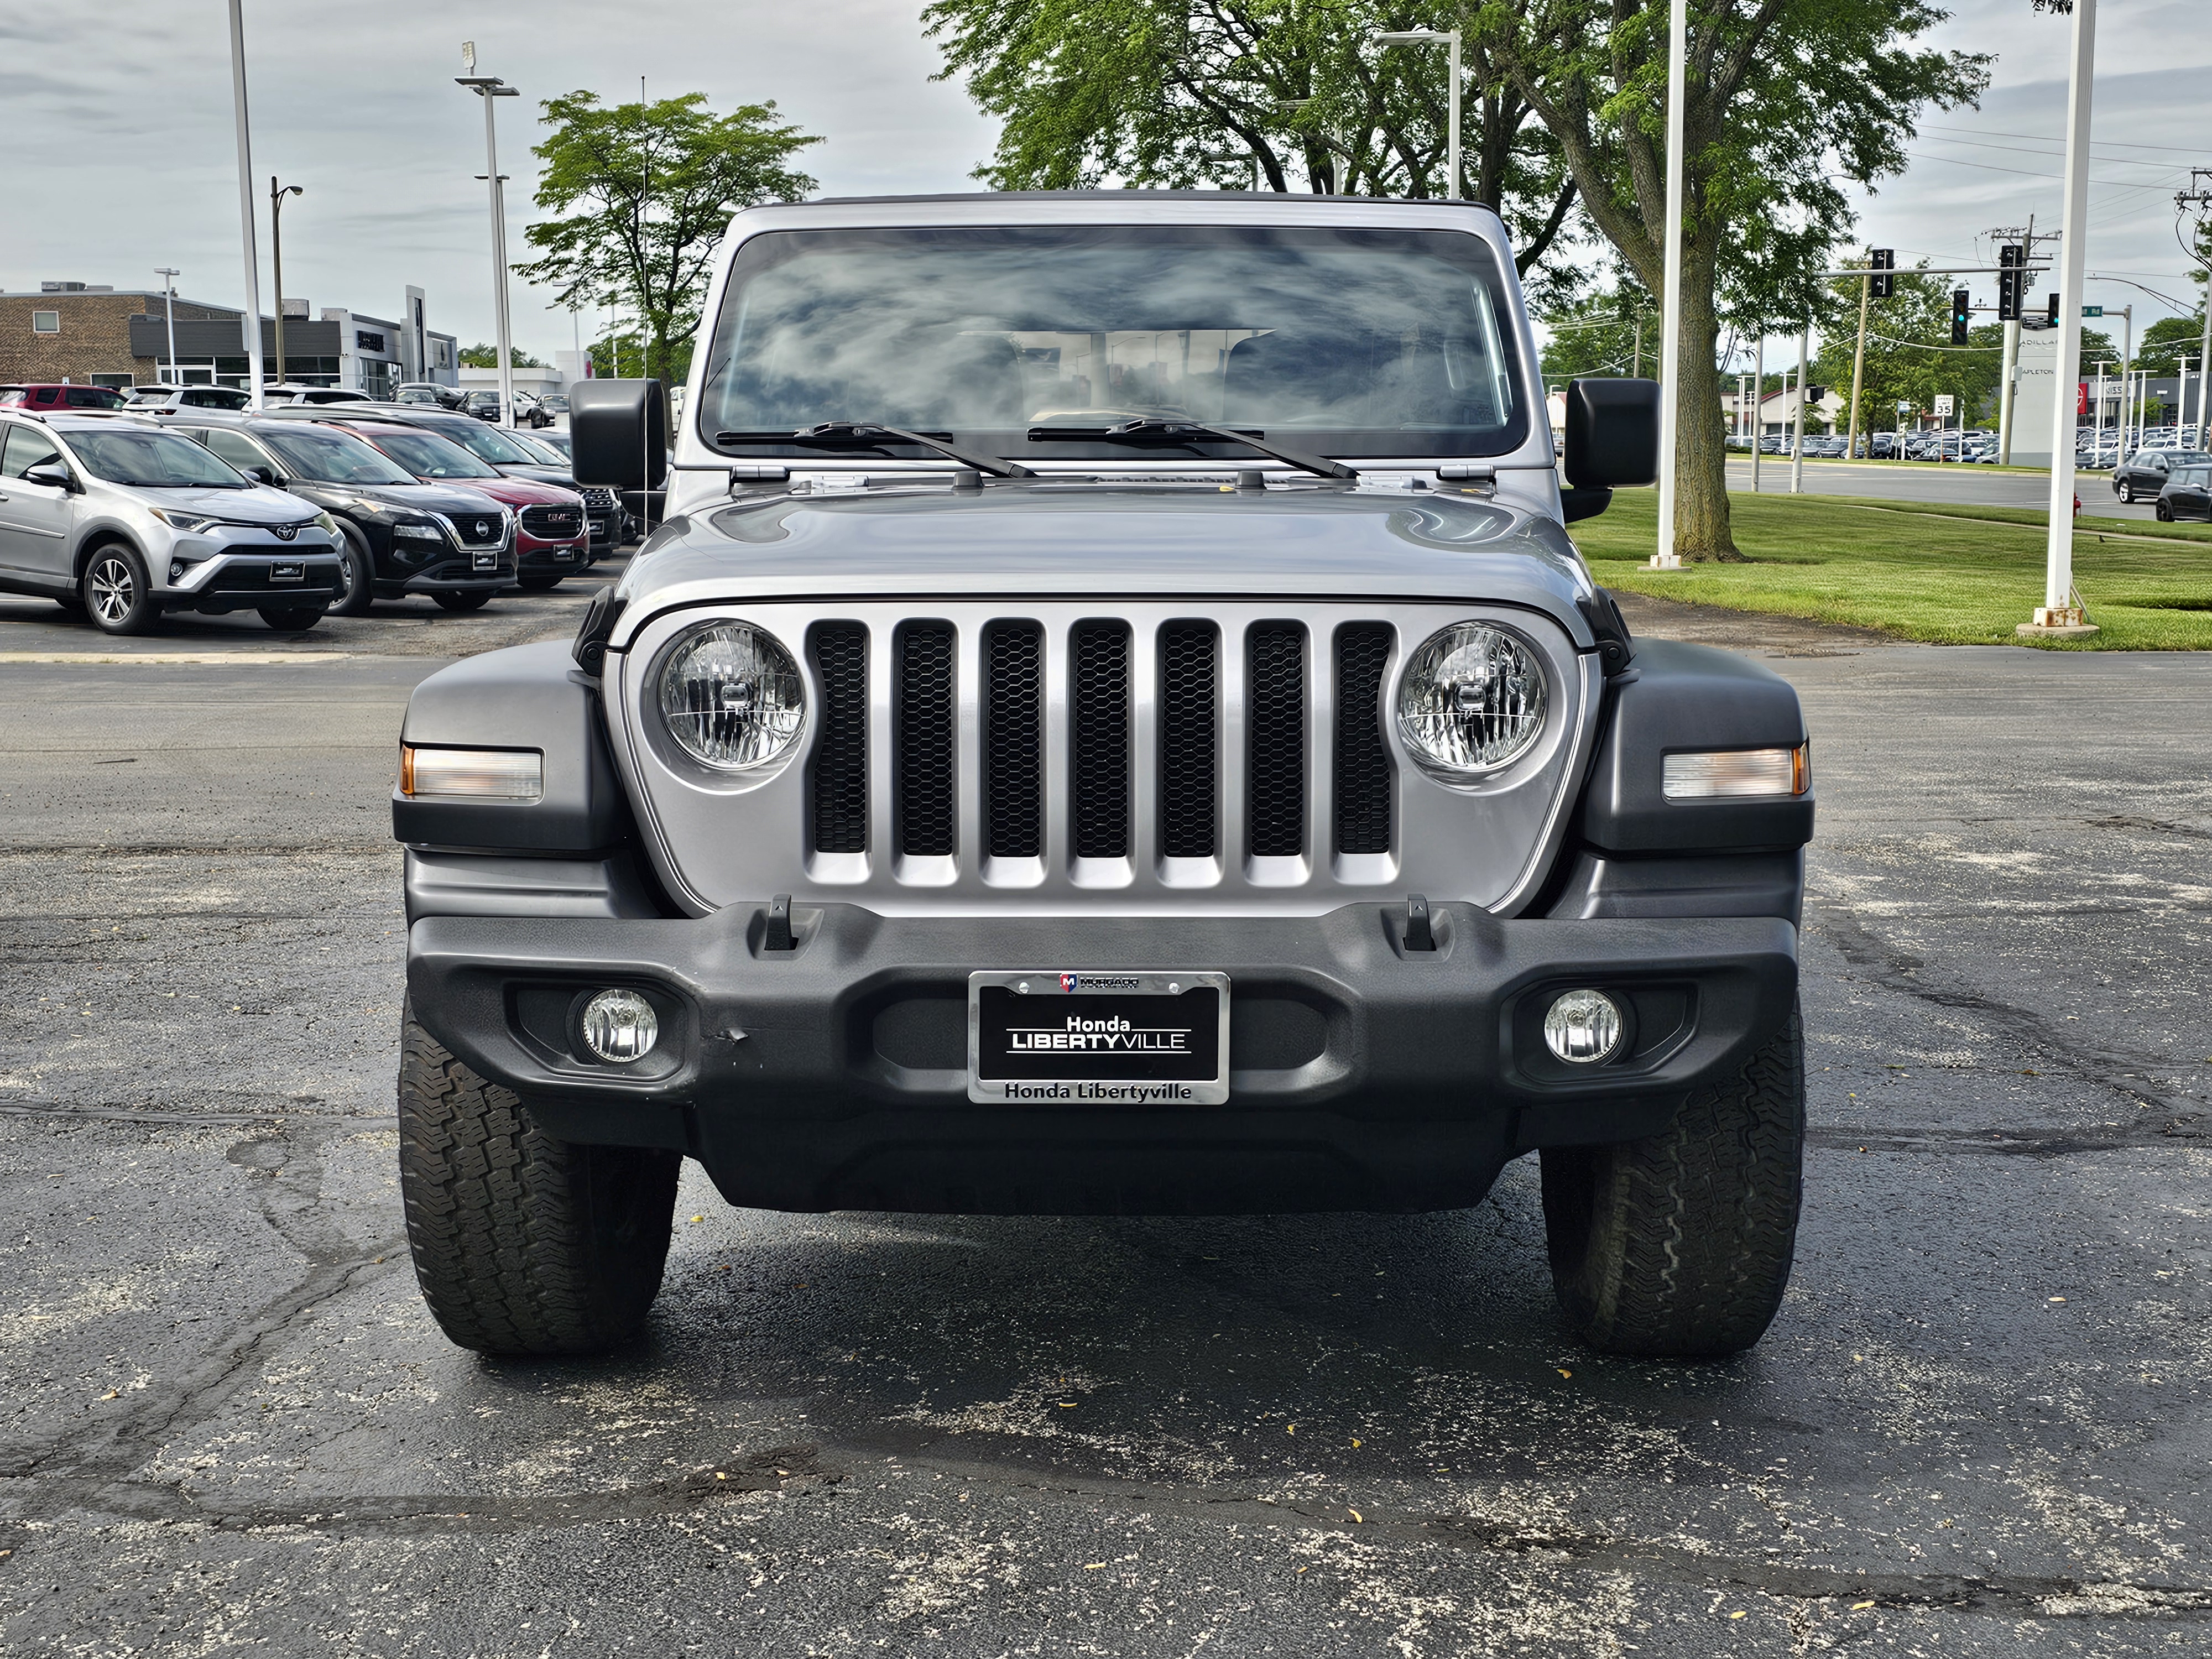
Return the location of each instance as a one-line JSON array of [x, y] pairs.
[[1113, 1039], [287, 573], [485, 562]]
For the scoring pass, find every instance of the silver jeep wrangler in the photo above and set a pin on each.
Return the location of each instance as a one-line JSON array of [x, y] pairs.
[[1112, 721]]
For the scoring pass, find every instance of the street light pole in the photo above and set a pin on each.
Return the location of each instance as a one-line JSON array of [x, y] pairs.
[[2058, 610], [488, 87], [1449, 38], [169, 274], [1670, 309], [277, 196], [245, 208], [1798, 449]]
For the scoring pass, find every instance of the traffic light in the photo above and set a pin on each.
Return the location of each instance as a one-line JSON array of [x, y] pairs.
[[1962, 315], [2011, 280], [1884, 261], [2051, 317]]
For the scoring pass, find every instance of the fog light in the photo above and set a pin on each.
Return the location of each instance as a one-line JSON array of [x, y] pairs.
[[176, 570], [620, 1026], [1583, 1027]]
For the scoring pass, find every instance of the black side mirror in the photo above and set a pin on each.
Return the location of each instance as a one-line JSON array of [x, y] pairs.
[[1613, 433], [55, 474], [262, 475], [619, 431]]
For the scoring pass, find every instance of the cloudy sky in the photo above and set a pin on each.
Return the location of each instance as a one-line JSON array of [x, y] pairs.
[[121, 157]]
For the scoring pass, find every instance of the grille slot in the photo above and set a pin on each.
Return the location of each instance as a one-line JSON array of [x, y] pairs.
[[1013, 739], [840, 752], [1363, 761], [1098, 730], [922, 790], [1189, 693], [555, 523], [1275, 728]]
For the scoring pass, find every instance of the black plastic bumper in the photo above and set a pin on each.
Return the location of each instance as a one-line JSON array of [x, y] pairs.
[[1364, 1075]]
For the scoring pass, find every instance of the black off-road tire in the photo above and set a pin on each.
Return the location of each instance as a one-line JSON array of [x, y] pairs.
[[1678, 1246], [462, 599], [523, 1244]]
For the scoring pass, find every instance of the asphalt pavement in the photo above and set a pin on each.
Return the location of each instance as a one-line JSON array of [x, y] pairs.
[[1981, 486], [1978, 1427]]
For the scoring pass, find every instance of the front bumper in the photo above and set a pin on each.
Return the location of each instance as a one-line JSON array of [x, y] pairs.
[[554, 558], [1362, 1075], [246, 582]]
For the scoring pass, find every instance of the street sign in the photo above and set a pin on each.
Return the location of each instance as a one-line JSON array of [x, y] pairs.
[[1904, 407], [1942, 403], [2092, 311]]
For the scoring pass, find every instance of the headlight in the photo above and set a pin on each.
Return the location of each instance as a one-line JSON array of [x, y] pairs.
[[1472, 699], [732, 697], [193, 523], [427, 532], [327, 524]]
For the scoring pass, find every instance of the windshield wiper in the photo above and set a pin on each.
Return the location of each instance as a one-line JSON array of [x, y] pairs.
[[1155, 429], [870, 434]]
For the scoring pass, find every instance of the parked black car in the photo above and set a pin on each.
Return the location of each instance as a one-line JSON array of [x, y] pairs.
[[403, 537], [2144, 476], [2187, 495]]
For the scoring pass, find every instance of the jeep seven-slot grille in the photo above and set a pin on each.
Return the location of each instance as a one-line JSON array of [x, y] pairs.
[[1086, 676], [925, 741], [841, 753]]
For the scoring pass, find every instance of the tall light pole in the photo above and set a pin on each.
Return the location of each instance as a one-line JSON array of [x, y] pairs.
[[488, 87], [276, 195], [1670, 308], [1451, 39], [169, 274], [2058, 611], [245, 208]]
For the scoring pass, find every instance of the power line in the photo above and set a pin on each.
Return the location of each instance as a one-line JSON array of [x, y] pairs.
[[2044, 137]]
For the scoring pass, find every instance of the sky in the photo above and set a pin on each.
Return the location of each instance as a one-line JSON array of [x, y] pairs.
[[120, 152]]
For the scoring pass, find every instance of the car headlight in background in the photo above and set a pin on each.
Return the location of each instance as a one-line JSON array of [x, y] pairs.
[[427, 532], [1736, 774], [176, 519], [471, 774], [1472, 699], [732, 697]]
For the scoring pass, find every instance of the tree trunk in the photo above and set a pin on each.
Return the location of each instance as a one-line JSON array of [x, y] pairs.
[[1702, 530]]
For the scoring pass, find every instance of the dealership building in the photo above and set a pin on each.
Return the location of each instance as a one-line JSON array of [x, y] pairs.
[[84, 333]]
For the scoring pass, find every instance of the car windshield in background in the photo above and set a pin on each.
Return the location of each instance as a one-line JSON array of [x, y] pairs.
[[429, 457], [328, 457], [1349, 342], [154, 459], [488, 443], [536, 447]]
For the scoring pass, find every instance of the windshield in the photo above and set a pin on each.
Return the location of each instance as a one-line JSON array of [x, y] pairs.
[[537, 448], [488, 443], [429, 457], [1349, 342], [155, 458], [328, 457]]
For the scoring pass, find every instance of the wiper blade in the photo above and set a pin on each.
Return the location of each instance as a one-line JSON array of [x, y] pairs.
[[870, 434], [1158, 429]]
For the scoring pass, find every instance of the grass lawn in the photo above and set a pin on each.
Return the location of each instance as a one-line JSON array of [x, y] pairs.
[[1951, 575]]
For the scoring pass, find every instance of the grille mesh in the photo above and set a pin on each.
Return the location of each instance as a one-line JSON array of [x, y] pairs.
[[924, 761], [841, 753], [1013, 739], [1098, 693], [1363, 763], [553, 522], [1276, 723], [1189, 677]]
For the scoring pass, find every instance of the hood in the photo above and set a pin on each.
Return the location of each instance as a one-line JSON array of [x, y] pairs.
[[548, 474], [527, 492], [259, 505], [1079, 538], [448, 498]]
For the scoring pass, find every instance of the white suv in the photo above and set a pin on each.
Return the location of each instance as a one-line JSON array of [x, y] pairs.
[[113, 518]]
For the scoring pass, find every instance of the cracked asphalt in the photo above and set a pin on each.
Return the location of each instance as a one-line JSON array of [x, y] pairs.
[[1978, 1427]]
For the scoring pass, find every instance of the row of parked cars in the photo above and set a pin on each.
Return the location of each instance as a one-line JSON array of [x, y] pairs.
[[529, 409], [305, 509]]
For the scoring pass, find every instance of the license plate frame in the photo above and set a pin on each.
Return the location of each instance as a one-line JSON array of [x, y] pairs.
[[287, 570], [1181, 1061]]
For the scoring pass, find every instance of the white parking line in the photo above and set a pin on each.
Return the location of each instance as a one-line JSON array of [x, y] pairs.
[[253, 659]]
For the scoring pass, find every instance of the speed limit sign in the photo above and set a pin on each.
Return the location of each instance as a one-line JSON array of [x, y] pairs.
[[1942, 403]]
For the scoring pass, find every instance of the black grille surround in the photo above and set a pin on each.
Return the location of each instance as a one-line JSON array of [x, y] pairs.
[[1098, 737], [1013, 739], [1190, 790], [840, 785], [1275, 723], [1363, 781], [924, 727]]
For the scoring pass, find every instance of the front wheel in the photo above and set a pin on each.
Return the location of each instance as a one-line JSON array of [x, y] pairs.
[[2164, 514], [462, 599], [356, 575], [2125, 491], [1680, 1246], [523, 1244], [291, 619], [117, 593]]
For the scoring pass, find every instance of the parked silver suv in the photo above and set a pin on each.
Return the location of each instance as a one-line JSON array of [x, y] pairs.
[[111, 516]]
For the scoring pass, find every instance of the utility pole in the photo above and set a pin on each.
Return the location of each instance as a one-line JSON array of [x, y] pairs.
[[1797, 448], [490, 87], [169, 274], [1670, 317], [2058, 612], [2027, 267], [2198, 197], [1858, 377], [1758, 408]]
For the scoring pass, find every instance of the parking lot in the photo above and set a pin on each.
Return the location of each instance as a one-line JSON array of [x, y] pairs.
[[1979, 1425]]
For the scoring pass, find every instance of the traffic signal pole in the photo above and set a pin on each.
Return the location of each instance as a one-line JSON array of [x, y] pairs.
[[1858, 377], [1797, 448]]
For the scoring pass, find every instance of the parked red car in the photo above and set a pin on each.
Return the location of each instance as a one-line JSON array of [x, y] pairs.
[[553, 538], [37, 396]]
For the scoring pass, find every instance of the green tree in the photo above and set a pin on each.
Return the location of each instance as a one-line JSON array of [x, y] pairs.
[[1615, 332], [644, 192], [485, 356], [1187, 94], [2168, 340], [1788, 102]]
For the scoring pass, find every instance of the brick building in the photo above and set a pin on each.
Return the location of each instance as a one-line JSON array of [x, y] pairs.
[[95, 335]]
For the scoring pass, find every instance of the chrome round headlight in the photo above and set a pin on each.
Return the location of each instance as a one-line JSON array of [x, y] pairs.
[[732, 697], [1472, 701]]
